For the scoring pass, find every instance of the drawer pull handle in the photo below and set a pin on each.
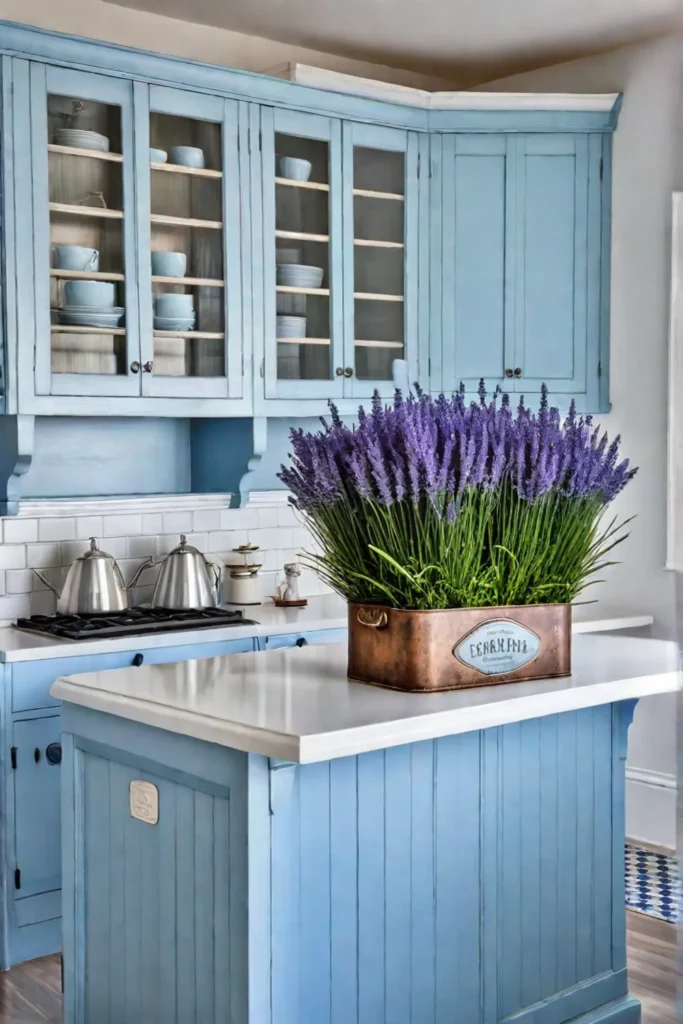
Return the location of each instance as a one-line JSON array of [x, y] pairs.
[[36, 755], [138, 660], [373, 619], [301, 641]]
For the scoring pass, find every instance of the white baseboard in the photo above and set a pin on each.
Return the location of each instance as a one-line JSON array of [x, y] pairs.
[[651, 807]]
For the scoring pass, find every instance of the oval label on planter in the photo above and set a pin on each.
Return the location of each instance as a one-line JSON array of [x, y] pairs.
[[497, 646]]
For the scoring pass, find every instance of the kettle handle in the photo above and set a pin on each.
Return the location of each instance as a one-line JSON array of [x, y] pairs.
[[216, 566]]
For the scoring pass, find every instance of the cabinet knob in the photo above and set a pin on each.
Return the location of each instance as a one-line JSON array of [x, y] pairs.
[[348, 371], [148, 366], [138, 659], [339, 371], [135, 367], [53, 753], [518, 371], [509, 373], [301, 641]]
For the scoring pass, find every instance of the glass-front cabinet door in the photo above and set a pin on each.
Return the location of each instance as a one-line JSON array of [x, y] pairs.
[[189, 244], [302, 235], [380, 215], [87, 332]]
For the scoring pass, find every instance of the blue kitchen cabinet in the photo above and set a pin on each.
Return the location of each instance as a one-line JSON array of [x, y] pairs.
[[525, 266], [356, 219], [30, 917], [281, 641]]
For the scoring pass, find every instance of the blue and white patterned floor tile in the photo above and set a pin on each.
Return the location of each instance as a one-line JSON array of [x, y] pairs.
[[653, 884]]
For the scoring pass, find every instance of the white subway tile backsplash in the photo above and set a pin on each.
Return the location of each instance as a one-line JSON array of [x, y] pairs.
[[152, 522], [20, 531], [14, 607], [89, 526], [177, 522], [22, 581], [12, 556], [238, 518], [118, 526], [141, 547], [43, 556], [53, 542], [206, 520], [56, 529]]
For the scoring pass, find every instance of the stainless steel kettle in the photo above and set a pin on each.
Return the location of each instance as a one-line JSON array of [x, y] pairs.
[[184, 579], [94, 584]]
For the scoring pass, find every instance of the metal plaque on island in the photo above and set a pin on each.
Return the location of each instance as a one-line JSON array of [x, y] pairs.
[[498, 646]]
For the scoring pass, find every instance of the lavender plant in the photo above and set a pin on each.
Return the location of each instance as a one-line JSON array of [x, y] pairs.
[[440, 503]]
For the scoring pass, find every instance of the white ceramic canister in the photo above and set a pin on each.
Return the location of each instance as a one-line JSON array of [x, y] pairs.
[[243, 585]]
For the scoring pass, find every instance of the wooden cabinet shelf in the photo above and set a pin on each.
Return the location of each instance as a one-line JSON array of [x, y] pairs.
[[209, 335], [187, 222], [92, 154], [369, 194], [290, 290], [196, 172], [200, 282], [87, 275], [373, 297], [316, 186], [302, 236], [376, 244], [378, 344], [86, 211], [79, 329]]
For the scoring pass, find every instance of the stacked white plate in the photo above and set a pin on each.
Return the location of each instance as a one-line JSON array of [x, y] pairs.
[[298, 275], [79, 138], [91, 316], [174, 323], [290, 326]]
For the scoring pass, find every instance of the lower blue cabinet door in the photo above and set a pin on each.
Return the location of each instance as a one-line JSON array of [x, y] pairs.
[[37, 846]]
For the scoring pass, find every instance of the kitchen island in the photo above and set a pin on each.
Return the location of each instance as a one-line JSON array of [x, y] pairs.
[[255, 839]]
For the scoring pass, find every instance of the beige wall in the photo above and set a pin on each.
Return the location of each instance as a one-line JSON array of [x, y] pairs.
[[648, 166], [98, 20]]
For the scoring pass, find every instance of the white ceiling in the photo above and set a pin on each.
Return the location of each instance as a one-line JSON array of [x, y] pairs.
[[461, 39]]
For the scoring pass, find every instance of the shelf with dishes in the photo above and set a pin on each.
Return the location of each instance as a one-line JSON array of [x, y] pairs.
[[207, 335], [359, 343], [194, 282], [196, 172], [85, 275], [91, 154], [81, 329], [79, 210]]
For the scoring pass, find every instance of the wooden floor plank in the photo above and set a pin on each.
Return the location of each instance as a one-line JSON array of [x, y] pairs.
[[30, 993]]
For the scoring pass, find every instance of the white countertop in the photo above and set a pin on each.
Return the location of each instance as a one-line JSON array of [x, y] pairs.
[[298, 704], [320, 613]]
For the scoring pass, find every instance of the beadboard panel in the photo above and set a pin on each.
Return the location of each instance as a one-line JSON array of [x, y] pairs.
[[469, 878]]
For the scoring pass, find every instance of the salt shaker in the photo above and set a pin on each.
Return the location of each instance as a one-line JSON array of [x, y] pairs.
[[290, 589]]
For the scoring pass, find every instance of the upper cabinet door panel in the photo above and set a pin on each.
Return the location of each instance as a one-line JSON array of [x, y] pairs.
[[301, 169], [476, 325], [381, 207], [551, 259], [189, 244], [87, 340]]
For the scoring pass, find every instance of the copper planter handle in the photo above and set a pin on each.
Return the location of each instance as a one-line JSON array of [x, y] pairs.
[[372, 618]]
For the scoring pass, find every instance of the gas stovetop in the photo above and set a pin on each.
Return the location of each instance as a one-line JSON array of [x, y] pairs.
[[132, 622]]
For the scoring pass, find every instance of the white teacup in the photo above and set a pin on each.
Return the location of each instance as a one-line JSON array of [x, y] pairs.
[[75, 257]]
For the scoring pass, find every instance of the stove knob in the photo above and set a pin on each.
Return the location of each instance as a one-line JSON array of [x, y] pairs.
[[138, 660]]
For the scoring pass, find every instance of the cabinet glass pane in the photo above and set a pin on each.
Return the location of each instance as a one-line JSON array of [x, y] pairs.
[[85, 167], [188, 285], [379, 260], [302, 199]]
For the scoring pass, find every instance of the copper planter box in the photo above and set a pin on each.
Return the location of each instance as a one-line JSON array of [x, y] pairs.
[[458, 647]]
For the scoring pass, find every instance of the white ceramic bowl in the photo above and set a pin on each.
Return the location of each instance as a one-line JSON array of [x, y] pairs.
[[187, 156], [169, 264], [80, 138], [294, 168], [89, 293], [172, 304], [157, 156], [297, 275], [290, 326]]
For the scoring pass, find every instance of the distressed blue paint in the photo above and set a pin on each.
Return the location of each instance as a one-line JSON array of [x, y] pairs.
[[31, 923], [392, 886]]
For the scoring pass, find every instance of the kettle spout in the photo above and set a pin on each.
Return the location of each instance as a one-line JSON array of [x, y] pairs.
[[46, 581]]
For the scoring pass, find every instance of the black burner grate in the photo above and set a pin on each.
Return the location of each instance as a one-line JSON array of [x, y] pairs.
[[133, 622]]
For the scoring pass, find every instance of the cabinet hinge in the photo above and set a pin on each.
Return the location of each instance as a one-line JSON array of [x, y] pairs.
[[13, 757], [599, 368], [602, 168], [17, 878]]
